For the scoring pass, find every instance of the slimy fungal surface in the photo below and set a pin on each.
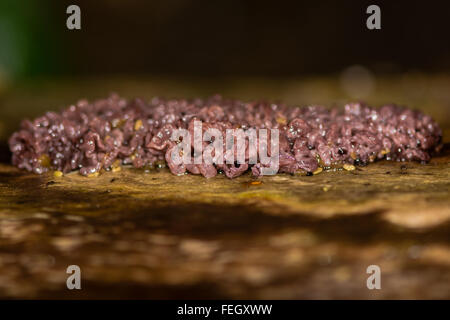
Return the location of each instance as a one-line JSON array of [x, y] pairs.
[[108, 133]]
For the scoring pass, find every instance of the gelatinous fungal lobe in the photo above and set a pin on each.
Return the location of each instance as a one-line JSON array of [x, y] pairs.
[[107, 133]]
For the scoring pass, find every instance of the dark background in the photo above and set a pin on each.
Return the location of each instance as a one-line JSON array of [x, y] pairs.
[[221, 38]]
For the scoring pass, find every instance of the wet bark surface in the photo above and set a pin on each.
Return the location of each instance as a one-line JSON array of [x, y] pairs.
[[149, 234]]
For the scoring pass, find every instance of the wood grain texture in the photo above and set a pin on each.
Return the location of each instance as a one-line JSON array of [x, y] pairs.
[[138, 234]]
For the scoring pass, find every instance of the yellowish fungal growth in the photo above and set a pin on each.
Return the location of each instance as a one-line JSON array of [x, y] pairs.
[[57, 174], [93, 175], [318, 170], [138, 125], [349, 167], [44, 160], [281, 120]]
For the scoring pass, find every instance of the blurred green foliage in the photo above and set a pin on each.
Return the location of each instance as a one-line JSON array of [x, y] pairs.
[[27, 41]]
